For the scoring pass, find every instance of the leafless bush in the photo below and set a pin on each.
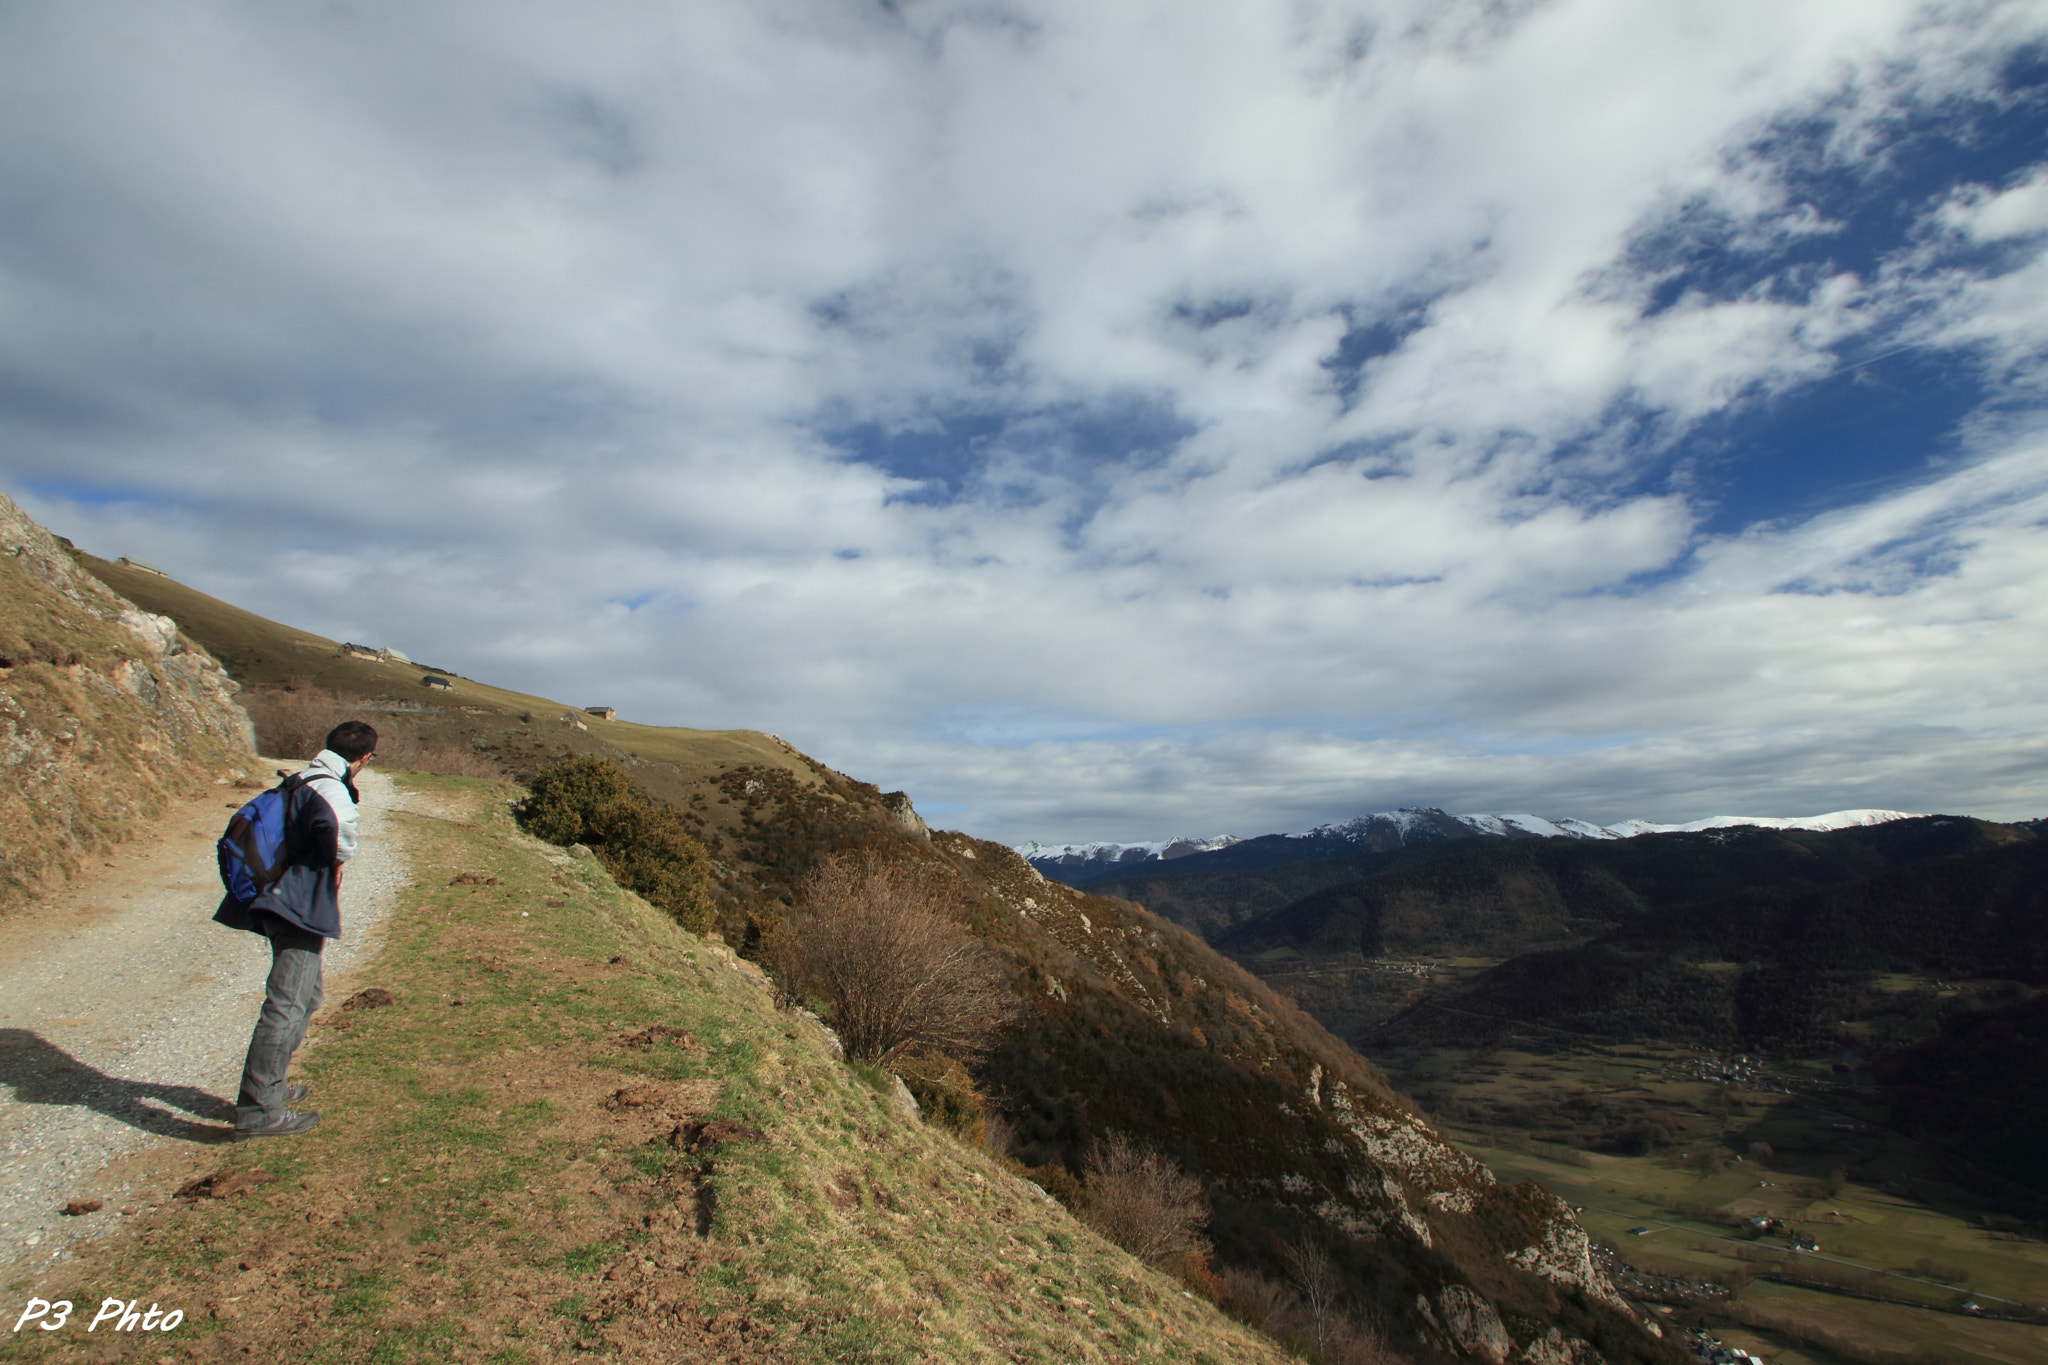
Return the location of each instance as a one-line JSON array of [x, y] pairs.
[[1263, 1303], [1281, 1312], [293, 723], [877, 942], [1355, 1341], [401, 750], [1319, 1284], [999, 1135], [1144, 1202]]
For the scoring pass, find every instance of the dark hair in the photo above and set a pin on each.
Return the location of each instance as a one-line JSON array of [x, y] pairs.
[[352, 739]]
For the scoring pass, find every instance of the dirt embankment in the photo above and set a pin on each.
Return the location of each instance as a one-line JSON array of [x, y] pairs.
[[106, 713]]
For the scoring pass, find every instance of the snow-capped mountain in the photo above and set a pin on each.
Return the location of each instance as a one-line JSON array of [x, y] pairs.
[[1107, 855], [1077, 864], [1840, 819]]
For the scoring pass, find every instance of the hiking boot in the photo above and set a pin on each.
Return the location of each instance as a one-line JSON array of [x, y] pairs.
[[296, 1091], [286, 1124]]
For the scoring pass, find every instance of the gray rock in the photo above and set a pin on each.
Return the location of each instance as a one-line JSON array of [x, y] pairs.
[[1471, 1322]]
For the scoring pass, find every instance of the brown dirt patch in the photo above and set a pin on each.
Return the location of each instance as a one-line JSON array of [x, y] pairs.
[[225, 1184], [659, 1033]]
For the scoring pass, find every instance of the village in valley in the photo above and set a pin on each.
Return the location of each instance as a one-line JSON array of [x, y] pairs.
[[1778, 1205]]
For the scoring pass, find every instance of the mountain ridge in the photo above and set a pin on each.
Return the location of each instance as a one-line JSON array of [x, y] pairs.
[[1380, 831]]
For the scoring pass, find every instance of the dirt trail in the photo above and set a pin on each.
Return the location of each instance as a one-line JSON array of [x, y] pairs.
[[125, 1011]]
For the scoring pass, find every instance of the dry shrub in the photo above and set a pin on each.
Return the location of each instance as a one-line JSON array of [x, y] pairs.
[[1281, 1312], [878, 944], [1357, 1342], [292, 722], [999, 1135], [1194, 1271], [1143, 1202], [396, 749]]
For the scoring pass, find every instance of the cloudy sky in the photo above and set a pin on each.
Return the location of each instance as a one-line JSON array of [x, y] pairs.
[[1105, 420]]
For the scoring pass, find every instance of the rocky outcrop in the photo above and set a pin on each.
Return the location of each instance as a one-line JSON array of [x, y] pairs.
[[899, 808], [1445, 1177], [1563, 1254], [105, 711], [1555, 1348], [1472, 1324]]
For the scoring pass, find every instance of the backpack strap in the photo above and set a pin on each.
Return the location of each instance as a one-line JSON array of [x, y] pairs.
[[294, 786]]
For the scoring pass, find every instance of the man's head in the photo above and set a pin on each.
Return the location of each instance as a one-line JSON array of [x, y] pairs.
[[353, 740]]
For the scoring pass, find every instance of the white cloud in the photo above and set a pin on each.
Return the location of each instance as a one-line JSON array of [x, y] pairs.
[[518, 339]]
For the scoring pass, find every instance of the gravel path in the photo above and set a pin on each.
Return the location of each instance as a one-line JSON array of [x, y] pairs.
[[125, 1011]]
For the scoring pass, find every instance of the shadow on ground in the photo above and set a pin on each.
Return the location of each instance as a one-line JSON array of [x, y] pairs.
[[40, 1072]]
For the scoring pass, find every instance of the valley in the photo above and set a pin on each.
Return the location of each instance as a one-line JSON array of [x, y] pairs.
[[1670, 1166], [1834, 1032]]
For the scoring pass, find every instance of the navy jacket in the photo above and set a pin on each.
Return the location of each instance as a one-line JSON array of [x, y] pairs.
[[323, 838]]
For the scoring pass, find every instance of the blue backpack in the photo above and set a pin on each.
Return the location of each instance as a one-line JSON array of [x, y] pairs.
[[257, 848]]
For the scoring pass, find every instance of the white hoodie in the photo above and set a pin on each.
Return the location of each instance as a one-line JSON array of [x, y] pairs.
[[327, 774]]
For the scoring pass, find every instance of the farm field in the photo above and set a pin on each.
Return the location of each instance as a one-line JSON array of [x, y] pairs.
[[1669, 1152]]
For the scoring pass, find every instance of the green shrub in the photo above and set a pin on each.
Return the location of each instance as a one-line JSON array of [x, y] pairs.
[[571, 799], [642, 842], [645, 846]]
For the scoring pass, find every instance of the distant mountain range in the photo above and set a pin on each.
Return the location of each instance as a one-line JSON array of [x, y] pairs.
[[1080, 864]]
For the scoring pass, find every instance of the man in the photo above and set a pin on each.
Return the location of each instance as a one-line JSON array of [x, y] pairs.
[[298, 914]]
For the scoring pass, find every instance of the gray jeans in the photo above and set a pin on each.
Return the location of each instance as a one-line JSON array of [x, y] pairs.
[[290, 997]]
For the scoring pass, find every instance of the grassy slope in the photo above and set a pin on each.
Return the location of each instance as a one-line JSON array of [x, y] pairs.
[[261, 653], [478, 1190]]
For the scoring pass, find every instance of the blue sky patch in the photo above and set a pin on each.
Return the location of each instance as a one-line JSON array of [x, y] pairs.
[[1863, 211]]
